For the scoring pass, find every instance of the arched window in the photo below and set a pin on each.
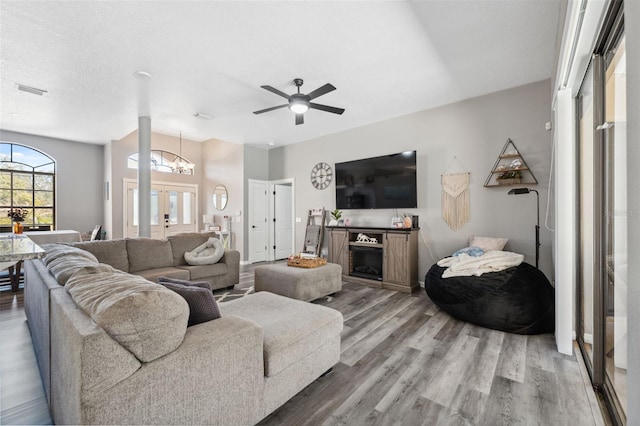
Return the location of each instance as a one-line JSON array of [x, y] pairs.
[[27, 181], [165, 162]]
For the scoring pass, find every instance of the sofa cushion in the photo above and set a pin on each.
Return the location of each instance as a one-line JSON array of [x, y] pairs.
[[187, 241], [63, 261], [148, 253], [208, 253], [203, 284], [205, 271], [145, 318], [292, 329], [54, 251], [202, 305], [155, 274], [111, 252]]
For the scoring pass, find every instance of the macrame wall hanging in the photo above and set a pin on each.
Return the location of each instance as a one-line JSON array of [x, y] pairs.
[[456, 208]]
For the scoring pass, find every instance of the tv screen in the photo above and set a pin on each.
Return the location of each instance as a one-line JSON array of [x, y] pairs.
[[386, 182]]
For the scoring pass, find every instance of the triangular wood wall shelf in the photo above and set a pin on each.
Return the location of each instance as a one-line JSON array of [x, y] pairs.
[[506, 170]]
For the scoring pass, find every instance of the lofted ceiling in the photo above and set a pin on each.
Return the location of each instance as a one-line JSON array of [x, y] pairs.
[[386, 58]]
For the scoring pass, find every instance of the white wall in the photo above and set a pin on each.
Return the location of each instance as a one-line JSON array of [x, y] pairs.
[[79, 180], [474, 131]]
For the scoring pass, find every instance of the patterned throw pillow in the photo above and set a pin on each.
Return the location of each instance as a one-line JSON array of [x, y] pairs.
[[471, 251], [202, 305]]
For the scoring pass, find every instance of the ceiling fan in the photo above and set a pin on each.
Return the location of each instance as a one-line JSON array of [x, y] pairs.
[[299, 103]]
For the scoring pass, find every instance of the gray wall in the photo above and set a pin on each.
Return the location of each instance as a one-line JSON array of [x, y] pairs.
[[472, 131], [256, 166], [632, 29], [79, 181], [223, 164]]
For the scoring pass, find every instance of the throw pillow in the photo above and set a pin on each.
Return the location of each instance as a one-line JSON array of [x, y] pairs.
[[202, 305], [471, 251], [488, 243], [205, 254], [201, 284]]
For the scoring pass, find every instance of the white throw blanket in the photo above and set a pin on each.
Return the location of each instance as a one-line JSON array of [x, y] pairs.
[[491, 261]]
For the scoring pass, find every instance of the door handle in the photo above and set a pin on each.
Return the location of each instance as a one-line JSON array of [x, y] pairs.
[[253, 226]]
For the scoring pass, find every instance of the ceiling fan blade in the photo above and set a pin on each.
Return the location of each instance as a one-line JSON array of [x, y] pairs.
[[321, 91], [276, 91], [270, 109], [326, 108], [299, 119]]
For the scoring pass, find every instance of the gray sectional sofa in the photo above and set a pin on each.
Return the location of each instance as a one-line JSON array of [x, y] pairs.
[[114, 347], [151, 258]]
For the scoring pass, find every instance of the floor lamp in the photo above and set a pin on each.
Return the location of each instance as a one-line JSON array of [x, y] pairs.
[[517, 191]]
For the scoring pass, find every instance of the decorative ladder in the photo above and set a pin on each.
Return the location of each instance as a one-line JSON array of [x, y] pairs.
[[315, 232]]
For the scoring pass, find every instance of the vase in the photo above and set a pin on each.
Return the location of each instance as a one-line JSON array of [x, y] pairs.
[[407, 222], [18, 228]]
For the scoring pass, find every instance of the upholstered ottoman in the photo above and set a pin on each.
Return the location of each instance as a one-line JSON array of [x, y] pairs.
[[299, 283]]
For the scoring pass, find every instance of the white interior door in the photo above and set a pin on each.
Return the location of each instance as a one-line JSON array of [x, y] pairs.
[[172, 209], [283, 220], [258, 212]]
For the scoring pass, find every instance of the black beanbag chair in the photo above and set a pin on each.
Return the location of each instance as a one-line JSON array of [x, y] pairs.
[[517, 300]]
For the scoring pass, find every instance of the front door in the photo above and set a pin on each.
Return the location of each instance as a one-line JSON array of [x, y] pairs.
[[172, 209]]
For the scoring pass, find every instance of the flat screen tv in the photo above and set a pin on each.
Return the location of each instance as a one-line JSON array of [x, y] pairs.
[[386, 182]]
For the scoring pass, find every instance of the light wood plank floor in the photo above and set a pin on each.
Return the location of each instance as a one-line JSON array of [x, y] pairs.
[[404, 362]]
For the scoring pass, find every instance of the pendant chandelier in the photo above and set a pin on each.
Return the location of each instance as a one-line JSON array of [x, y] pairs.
[[180, 165]]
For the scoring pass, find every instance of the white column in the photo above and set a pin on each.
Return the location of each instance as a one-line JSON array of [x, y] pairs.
[[144, 177], [564, 243]]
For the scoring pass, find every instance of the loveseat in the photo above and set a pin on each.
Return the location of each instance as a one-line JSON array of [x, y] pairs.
[[118, 350]]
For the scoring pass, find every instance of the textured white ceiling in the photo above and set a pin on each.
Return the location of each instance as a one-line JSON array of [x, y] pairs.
[[385, 58]]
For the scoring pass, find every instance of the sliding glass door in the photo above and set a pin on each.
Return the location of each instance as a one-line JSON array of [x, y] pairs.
[[602, 178]]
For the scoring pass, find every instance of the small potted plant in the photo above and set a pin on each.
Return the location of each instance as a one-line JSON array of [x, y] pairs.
[[509, 178], [17, 216], [335, 215]]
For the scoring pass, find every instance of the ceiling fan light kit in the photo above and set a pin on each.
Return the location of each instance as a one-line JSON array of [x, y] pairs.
[[300, 103]]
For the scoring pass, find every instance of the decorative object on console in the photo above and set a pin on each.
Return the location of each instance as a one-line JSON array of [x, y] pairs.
[[335, 215], [321, 176], [363, 238], [517, 191], [300, 103], [207, 221], [406, 222], [510, 168]]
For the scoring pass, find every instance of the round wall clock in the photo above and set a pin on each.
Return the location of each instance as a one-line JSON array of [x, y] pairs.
[[321, 175]]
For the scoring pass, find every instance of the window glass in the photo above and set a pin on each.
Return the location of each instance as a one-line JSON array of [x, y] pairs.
[[173, 208], [27, 180], [186, 208], [154, 207]]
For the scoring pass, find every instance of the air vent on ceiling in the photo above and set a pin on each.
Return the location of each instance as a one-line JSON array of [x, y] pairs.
[[32, 90]]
